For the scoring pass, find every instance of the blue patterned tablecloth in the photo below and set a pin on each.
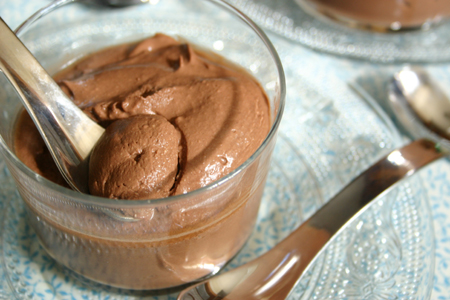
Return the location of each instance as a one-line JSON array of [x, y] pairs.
[[370, 79]]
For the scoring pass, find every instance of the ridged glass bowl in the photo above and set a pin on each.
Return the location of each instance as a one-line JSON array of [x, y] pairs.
[[174, 240]]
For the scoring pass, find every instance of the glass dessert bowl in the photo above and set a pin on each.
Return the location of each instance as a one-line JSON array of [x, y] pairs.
[[146, 244]]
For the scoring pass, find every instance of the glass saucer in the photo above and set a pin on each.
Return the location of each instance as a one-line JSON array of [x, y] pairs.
[[387, 252], [288, 19]]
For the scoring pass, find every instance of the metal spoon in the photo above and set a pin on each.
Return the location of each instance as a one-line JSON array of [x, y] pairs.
[[420, 105], [68, 133], [273, 275]]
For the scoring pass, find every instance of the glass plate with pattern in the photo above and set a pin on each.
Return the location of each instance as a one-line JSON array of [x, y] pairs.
[[288, 19]]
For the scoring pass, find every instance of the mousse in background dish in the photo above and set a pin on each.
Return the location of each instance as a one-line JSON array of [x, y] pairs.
[[382, 15]]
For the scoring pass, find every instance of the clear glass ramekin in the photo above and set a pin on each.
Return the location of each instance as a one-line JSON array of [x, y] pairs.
[[175, 240]]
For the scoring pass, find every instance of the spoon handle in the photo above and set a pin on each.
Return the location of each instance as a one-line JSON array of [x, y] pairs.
[[274, 274], [67, 131]]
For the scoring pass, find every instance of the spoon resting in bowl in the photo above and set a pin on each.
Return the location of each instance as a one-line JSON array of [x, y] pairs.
[[68, 133], [273, 275]]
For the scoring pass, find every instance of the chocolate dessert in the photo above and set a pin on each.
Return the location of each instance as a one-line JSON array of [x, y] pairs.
[[221, 113], [176, 120]]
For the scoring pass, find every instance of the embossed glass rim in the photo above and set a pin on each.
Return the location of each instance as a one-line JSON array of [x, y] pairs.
[[286, 18], [94, 200]]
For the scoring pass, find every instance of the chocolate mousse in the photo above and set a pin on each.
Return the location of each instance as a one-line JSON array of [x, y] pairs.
[[176, 120], [221, 113], [388, 14]]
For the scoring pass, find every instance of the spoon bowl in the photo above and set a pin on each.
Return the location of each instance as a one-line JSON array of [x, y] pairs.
[[68, 133], [420, 105]]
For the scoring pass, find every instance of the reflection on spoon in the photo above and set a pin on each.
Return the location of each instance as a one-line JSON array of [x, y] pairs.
[[416, 98], [68, 133]]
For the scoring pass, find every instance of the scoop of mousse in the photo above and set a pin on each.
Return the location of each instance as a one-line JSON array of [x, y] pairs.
[[136, 158]]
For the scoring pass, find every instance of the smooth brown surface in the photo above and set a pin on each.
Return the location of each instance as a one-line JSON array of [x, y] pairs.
[[142, 263], [136, 158]]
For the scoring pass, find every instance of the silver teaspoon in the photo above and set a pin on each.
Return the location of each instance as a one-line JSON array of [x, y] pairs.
[[273, 275], [68, 133], [420, 105]]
